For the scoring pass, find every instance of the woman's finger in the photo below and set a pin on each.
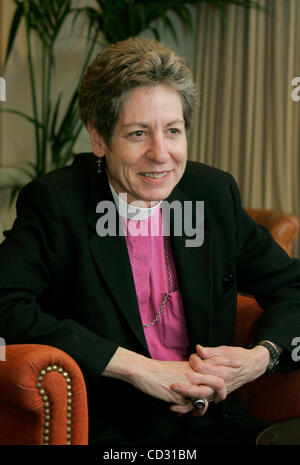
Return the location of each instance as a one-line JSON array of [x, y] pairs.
[[199, 412], [195, 391], [207, 368], [183, 409], [208, 352], [189, 407], [229, 353], [220, 360]]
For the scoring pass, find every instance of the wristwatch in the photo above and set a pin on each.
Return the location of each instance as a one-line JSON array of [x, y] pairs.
[[274, 360]]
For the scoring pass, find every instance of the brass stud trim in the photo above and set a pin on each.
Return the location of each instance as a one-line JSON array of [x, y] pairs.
[[46, 403]]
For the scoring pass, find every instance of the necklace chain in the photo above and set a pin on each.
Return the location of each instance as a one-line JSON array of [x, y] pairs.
[[169, 286]]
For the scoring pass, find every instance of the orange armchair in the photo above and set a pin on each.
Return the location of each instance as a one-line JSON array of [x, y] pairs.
[[284, 227], [42, 397], [272, 397], [277, 396]]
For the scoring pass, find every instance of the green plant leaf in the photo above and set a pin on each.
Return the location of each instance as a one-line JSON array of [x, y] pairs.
[[23, 115], [46, 18], [14, 192], [14, 30], [12, 175], [55, 116]]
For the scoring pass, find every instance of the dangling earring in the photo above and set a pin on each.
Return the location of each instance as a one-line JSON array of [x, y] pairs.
[[99, 161]]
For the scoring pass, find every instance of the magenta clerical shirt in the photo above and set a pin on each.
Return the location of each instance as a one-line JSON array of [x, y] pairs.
[[167, 339]]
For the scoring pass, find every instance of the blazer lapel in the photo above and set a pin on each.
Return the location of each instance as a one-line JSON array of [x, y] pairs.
[[111, 257], [194, 267]]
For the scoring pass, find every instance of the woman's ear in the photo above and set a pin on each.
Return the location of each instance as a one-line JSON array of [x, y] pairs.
[[97, 142]]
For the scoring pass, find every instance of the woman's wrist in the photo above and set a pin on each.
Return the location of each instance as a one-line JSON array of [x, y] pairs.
[[124, 364], [261, 359]]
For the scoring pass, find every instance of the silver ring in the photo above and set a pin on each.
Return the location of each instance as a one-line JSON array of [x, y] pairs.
[[199, 404]]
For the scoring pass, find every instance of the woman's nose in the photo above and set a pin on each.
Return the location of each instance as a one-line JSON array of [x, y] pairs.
[[158, 150]]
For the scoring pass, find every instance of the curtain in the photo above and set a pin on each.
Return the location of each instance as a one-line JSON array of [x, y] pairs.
[[247, 122]]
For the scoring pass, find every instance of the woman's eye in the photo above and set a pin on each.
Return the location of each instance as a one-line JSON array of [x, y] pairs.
[[138, 133], [174, 131]]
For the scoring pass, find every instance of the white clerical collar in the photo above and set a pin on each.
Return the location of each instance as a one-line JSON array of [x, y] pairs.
[[131, 211]]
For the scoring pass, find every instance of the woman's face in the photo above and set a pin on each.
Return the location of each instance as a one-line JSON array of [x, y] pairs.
[[148, 150]]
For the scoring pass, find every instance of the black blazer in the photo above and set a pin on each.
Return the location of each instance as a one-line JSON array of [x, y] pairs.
[[63, 285]]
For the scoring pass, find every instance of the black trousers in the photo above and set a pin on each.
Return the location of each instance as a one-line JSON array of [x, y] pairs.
[[225, 427]]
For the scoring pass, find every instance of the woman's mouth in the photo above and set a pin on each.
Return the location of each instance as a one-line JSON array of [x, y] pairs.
[[157, 175], [154, 177]]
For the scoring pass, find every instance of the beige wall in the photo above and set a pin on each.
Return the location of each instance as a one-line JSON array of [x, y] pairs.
[[16, 134]]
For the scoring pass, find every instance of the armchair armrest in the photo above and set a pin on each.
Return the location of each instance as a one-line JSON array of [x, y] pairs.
[[268, 398], [283, 226], [42, 398], [272, 398], [248, 314]]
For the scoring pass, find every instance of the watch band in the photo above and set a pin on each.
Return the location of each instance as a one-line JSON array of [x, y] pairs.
[[274, 360]]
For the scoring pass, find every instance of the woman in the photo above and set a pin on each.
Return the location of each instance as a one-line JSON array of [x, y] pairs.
[[131, 307]]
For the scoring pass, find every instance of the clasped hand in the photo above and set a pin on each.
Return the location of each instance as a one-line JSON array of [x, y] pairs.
[[204, 375], [210, 373], [233, 366]]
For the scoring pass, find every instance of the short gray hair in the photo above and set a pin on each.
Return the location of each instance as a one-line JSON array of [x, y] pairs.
[[122, 67]]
